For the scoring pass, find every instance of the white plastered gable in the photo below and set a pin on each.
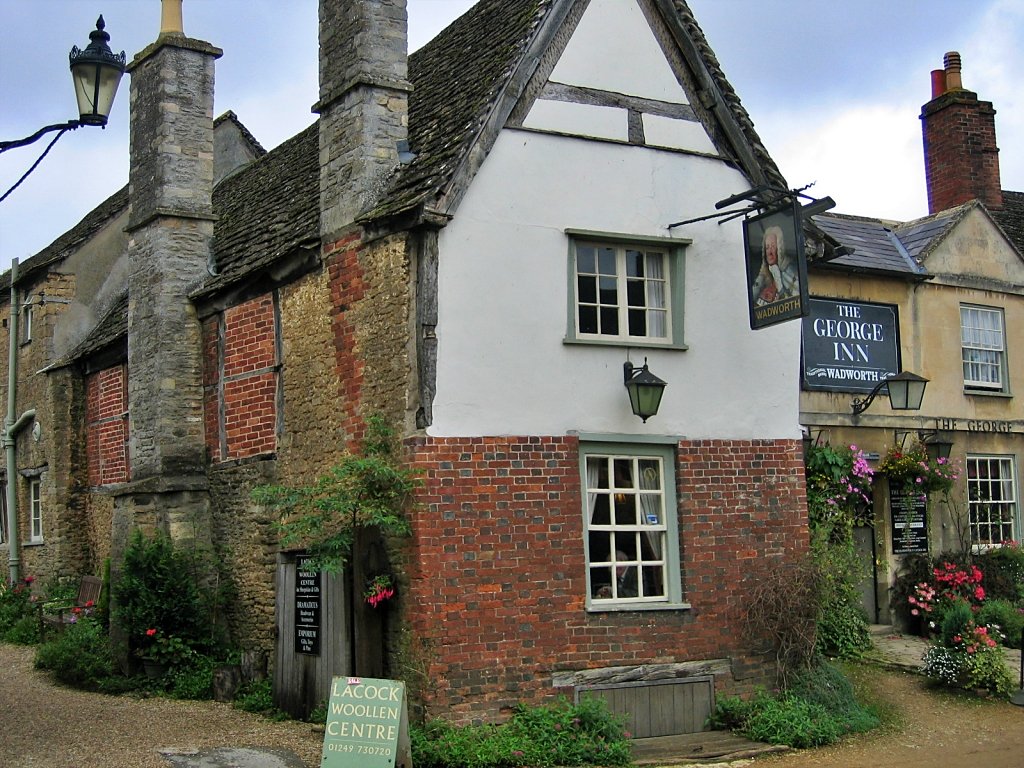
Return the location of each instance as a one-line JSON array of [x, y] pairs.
[[613, 82]]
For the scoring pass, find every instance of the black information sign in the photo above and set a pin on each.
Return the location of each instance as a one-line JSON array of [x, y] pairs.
[[849, 346], [908, 508], [308, 597]]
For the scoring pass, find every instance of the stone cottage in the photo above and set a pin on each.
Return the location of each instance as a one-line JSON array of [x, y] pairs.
[[472, 241]]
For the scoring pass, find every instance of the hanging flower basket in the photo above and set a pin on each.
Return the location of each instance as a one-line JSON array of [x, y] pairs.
[[379, 590], [914, 468]]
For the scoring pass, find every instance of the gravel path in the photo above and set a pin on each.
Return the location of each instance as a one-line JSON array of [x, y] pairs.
[[43, 725]]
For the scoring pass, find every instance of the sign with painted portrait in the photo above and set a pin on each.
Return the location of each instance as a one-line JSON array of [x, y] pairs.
[[849, 346], [776, 266]]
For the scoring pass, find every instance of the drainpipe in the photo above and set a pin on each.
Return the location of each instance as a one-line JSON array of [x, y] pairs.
[[11, 429]]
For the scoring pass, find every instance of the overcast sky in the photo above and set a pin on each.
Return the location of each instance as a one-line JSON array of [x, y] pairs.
[[835, 89]]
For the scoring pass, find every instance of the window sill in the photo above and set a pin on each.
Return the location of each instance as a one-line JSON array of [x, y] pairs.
[[33, 543], [622, 607], [987, 393], [636, 343]]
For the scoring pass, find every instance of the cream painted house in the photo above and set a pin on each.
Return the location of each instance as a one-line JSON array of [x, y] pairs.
[[942, 297]]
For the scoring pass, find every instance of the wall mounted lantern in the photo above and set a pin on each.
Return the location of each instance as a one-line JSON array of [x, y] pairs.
[[906, 391], [937, 444], [645, 390]]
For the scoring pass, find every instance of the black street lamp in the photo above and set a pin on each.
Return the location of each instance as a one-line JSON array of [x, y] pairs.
[[906, 391], [96, 73]]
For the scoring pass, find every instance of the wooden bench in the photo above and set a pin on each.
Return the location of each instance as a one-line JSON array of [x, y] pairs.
[[58, 616]]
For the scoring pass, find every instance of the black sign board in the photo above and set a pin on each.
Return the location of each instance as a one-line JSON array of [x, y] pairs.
[[849, 346], [308, 601], [908, 509], [776, 266]]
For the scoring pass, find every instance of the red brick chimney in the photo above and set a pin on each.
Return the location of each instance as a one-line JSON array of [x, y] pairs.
[[961, 160]]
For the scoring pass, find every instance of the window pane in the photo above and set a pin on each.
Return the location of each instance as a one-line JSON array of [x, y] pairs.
[[586, 289], [606, 261], [609, 291], [634, 264], [636, 294], [588, 319], [637, 322], [586, 260], [609, 321]]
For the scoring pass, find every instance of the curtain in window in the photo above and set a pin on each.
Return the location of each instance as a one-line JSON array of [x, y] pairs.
[[656, 311]]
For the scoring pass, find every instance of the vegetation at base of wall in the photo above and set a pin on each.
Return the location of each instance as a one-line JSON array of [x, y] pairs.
[[966, 655], [562, 734], [1005, 617], [257, 697], [819, 707], [18, 610], [79, 655], [160, 599], [365, 490]]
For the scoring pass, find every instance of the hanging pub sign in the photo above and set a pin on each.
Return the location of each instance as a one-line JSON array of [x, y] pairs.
[[776, 266], [849, 346], [908, 510], [308, 597]]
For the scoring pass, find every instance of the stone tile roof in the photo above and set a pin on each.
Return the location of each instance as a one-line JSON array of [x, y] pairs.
[[112, 329], [64, 245], [1011, 217], [231, 117], [270, 208]]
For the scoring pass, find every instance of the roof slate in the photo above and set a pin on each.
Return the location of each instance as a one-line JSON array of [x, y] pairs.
[[1011, 217], [876, 245]]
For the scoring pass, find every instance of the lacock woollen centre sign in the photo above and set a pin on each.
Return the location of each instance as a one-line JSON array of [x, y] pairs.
[[367, 725], [849, 346], [308, 599]]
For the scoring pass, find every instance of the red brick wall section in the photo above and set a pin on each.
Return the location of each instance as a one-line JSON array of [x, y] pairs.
[[347, 287], [241, 380], [961, 157], [106, 406], [497, 567]]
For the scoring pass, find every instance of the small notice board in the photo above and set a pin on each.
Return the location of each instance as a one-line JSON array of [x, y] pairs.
[[908, 508], [308, 602], [367, 725]]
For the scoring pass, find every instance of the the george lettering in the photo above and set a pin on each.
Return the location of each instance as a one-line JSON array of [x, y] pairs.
[[848, 330]]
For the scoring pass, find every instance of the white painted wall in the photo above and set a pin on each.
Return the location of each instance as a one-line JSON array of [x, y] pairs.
[[502, 365]]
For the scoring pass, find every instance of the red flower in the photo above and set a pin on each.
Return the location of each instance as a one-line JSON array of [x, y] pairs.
[[150, 632]]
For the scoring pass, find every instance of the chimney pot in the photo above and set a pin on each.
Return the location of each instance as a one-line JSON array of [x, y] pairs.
[[938, 82], [951, 61]]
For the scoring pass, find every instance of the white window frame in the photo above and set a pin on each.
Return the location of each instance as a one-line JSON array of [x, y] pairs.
[[25, 330], [35, 505], [999, 479], [671, 283], [603, 560], [983, 347]]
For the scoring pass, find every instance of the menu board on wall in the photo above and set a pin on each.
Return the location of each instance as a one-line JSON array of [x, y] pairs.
[[908, 510], [308, 600]]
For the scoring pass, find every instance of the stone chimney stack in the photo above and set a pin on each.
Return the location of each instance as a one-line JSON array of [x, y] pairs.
[[170, 234], [961, 158], [363, 106]]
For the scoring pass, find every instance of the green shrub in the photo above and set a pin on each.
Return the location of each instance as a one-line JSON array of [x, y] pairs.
[[16, 603], [80, 655], [258, 697], [24, 632], [819, 707], [793, 721], [1004, 572], [158, 591], [1006, 616], [843, 629], [193, 680], [561, 734]]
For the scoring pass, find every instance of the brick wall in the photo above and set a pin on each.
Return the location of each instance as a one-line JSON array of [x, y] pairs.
[[497, 589], [241, 380], [106, 394], [961, 156]]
